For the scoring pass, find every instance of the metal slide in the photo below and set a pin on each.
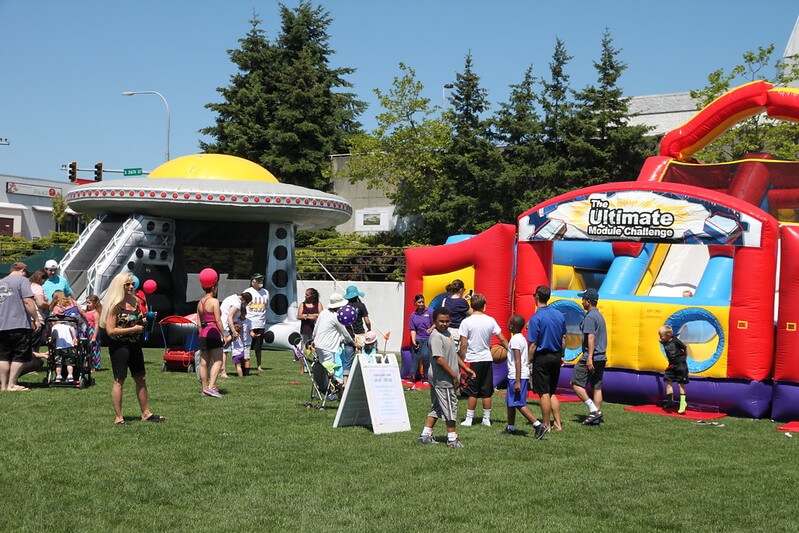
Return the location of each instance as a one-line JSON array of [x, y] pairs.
[[104, 248], [83, 253]]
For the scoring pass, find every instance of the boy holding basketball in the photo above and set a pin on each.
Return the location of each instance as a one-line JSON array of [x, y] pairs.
[[475, 349], [518, 380]]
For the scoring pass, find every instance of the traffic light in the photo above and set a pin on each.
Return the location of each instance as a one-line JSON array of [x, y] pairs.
[[98, 171], [73, 171]]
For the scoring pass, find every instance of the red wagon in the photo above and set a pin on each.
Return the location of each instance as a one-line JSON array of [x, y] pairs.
[[180, 342]]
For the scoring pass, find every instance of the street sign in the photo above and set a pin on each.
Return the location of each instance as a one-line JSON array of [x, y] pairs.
[[131, 172]]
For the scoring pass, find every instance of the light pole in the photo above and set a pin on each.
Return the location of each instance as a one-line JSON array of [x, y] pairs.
[[131, 93], [444, 94]]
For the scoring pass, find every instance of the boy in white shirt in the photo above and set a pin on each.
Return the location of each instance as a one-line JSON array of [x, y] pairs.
[[519, 380], [475, 349]]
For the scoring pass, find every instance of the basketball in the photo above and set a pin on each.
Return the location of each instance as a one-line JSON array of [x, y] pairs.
[[499, 353]]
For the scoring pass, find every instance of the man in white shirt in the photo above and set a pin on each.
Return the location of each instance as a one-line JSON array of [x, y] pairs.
[[476, 331], [256, 312], [230, 308]]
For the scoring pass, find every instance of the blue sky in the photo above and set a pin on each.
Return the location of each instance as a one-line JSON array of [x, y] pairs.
[[65, 64]]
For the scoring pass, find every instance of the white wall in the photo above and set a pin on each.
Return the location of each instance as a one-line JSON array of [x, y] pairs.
[[383, 300]]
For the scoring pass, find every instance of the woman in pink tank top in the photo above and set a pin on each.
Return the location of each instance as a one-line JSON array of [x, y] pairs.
[[210, 327]]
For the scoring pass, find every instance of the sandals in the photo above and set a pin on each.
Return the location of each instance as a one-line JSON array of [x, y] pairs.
[[154, 418]]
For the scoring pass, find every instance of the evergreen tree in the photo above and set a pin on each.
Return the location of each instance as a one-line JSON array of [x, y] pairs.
[[249, 103], [563, 168], [758, 133], [472, 163], [614, 150], [284, 108], [519, 131]]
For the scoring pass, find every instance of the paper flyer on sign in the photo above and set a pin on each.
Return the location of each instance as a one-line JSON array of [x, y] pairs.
[[374, 396]]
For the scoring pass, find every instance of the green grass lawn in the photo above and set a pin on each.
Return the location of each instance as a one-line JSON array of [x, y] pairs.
[[256, 460]]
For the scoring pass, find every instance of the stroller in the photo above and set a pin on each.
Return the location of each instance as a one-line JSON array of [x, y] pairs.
[[67, 345], [324, 388], [180, 342]]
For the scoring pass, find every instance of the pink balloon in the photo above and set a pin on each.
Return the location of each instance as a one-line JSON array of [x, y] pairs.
[[208, 277], [150, 286]]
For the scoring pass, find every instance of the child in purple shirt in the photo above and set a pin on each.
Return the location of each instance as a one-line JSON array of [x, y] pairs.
[[420, 325]]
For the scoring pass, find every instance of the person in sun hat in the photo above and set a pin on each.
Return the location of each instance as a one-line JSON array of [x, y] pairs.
[[591, 366], [362, 323], [256, 313], [54, 281], [329, 333], [369, 348]]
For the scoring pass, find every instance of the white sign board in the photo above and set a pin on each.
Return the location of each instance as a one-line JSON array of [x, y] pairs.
[[374, 396]]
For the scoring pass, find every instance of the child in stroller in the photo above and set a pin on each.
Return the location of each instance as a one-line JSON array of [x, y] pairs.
[[64, 342], [67, 342]]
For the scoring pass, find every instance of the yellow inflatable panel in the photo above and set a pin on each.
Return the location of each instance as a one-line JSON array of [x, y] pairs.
[[436, 284], [652, 270], [633, 336]]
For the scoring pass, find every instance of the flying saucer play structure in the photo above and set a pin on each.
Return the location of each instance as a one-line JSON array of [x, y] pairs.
[[193, 212], [728, 232]]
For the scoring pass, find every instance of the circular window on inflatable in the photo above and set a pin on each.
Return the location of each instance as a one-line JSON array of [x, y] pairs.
[[574, 337], [701, 333]]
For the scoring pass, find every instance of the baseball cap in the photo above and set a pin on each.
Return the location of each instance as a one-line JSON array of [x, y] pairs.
[[590, 294], [51, 263], [257, 276]]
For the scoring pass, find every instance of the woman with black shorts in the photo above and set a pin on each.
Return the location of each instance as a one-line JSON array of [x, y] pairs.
[[210, 332], [124, 322]]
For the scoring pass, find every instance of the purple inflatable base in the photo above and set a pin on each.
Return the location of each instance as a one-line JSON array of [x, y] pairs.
[[736, 397], [785, 407]]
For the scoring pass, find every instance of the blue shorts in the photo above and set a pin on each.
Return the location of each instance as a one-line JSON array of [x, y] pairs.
[[517, 399]]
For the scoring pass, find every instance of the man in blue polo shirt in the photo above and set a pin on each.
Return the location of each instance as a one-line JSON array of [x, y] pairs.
[[546, 334]]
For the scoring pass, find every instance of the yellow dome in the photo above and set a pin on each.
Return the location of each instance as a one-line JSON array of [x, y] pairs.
[[213, 167]]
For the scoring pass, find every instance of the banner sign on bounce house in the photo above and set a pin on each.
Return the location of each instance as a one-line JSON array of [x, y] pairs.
[[640, 216]]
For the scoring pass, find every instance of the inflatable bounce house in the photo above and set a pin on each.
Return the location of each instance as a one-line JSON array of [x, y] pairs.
[[193, 212], [728, 233]]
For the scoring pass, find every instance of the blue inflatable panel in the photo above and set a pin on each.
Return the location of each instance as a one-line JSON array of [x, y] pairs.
[[591, 255], [452, 239], [626, 273], [716, 281]]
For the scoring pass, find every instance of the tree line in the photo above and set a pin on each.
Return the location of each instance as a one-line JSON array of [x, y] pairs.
[[462, 169]]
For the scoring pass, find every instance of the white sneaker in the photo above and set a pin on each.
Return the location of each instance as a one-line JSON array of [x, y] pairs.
[[467, 422], [487, 422]]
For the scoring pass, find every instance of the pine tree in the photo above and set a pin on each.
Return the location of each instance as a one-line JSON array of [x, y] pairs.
[[285, 108], [472, 162], [519, 131], [613, 150], [249, 103]]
